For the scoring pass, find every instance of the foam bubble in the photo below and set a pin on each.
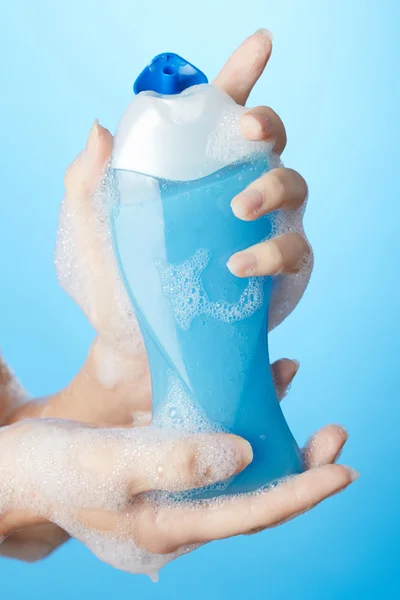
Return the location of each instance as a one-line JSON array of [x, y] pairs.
[[226, 144], [179, 410], [183, 286]]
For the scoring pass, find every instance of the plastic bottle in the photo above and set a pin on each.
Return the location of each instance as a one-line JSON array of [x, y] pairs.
[[178, 161]]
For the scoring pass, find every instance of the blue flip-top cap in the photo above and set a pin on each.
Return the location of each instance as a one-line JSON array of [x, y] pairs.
[[168, 74]]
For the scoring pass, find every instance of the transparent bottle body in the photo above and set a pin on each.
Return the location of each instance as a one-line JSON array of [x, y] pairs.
[[205, 330]]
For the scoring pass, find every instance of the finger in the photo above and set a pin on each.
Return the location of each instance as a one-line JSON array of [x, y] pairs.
[[248, 513], [281, 188], [283, 254], [262, 124], [193, 462], [243, 69], [82, 241], [33, 543], [325, 446], [283, 373], [11, 393], [141, 418], [84, 173]]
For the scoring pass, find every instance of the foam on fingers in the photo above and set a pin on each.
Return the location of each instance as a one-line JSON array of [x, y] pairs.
[[86, 266], [91, 481]]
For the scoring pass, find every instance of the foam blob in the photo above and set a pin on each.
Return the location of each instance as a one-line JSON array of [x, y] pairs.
[[181, 411], [87, 270], [93, 482], [226, 144], [183, 286], [287, 290]]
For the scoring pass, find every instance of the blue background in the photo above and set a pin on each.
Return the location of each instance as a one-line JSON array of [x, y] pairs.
[[334, 80]]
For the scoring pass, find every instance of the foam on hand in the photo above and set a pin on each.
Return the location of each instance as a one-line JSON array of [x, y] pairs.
[[288, 290], [87, 270], [93, 482]]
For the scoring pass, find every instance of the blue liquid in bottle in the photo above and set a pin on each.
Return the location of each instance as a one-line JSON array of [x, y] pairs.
[[205, 330]]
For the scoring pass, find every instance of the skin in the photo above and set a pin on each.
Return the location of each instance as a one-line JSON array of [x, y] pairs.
[[127, 403]]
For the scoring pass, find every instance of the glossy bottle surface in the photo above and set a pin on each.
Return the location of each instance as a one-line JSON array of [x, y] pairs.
[[205, 330]]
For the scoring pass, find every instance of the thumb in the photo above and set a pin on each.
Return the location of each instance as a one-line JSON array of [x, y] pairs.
[[85, 264], [85, 172], [185, 463]]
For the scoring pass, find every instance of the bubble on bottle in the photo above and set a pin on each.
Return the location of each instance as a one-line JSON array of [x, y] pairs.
[[227, 145], [188, 109], [182, 285], [180, 410]]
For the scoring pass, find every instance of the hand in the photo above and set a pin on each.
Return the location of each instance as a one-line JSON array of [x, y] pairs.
[[288, 256], [98, 481]]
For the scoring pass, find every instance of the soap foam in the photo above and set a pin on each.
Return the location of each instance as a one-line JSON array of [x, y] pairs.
[[87, 270], [183, 286], [88, 480], [227, 145], [287, 290], [180, 410]]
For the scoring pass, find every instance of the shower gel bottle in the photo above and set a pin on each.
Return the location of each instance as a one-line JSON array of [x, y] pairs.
[[178, 161]]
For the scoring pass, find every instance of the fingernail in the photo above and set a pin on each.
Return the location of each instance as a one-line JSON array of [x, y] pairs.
[[343, 430], [353, 473], [222, 456], [255, 126], [247, 204], [345, 434], [92, 141], [246, 451], [297, 364], [286, 390], [139, 419], [242, 264], [266, 32]]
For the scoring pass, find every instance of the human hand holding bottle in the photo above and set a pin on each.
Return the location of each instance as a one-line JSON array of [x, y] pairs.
[[95, 484], [127, 400], [115, 378]]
